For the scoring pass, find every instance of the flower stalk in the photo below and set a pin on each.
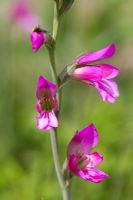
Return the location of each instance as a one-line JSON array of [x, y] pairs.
[[53, 132], [64, 187], [56, 20]]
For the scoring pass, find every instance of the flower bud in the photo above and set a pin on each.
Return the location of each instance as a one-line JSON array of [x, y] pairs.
[[39, 37], [37, 40], [65, 6]]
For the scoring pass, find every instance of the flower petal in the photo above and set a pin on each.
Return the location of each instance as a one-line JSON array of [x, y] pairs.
[[38, 107], [45, 88], [53, 122], [94, 159], [109, 71], [90, 73], [72, 165], [83, 141], [93, 175], [108, 90], [97, 55], [88, 174], [42, 121], [37, 40], [47, 121]]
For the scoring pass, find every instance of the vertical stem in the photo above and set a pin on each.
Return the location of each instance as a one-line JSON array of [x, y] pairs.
[[53, 132], [65, 190], [56, 20], [53, 66]]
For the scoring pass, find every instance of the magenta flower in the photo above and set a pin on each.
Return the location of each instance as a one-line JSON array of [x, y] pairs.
[[22, 14], [37, 40], [81, 162], [98, 75], [46, 105]]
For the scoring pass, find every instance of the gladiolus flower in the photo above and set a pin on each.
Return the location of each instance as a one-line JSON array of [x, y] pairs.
[[22, 14], [46, 105], [98, 75], [81, 162], [37, 40]]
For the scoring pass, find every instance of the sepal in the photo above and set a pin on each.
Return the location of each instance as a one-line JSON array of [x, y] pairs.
[[66, 73]]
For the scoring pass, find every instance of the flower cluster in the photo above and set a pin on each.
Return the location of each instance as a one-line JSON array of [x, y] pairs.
[[80, 160]]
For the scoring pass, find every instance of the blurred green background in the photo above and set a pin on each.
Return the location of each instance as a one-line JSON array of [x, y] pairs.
[[26, 165]]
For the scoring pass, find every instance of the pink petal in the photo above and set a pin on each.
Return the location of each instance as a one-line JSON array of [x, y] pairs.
[[108, 90], [38, 107], [53, 122], [72, 165], [97, 55], [90, 73], [47, 121], [88, 174], [93, 175], [37, 40], [42, 122], [94, 159], [109, 71], [45, 87], [83, 141]]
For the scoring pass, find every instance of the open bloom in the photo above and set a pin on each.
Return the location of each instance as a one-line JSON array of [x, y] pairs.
[[81, 161], [46, 105], [22, 14], [98, 75], [37, 40]]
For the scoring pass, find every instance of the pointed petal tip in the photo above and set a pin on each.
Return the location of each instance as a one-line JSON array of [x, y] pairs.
[[97, 55], [91, 125], [93, 128], [113, 46], [84, 140], [110, 50], [41, 77]]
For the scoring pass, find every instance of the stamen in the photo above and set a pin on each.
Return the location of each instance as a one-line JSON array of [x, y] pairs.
[[47, 104]]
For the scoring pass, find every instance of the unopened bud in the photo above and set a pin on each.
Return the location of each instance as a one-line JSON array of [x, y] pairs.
[[65, 6], [39, 37]]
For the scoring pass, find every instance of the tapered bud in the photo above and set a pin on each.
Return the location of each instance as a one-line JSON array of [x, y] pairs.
[[39, 37], [65, 6]]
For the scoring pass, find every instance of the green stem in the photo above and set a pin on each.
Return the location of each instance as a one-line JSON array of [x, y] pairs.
[[53, 66], [65, 189], [53, 132], [56, 20]]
